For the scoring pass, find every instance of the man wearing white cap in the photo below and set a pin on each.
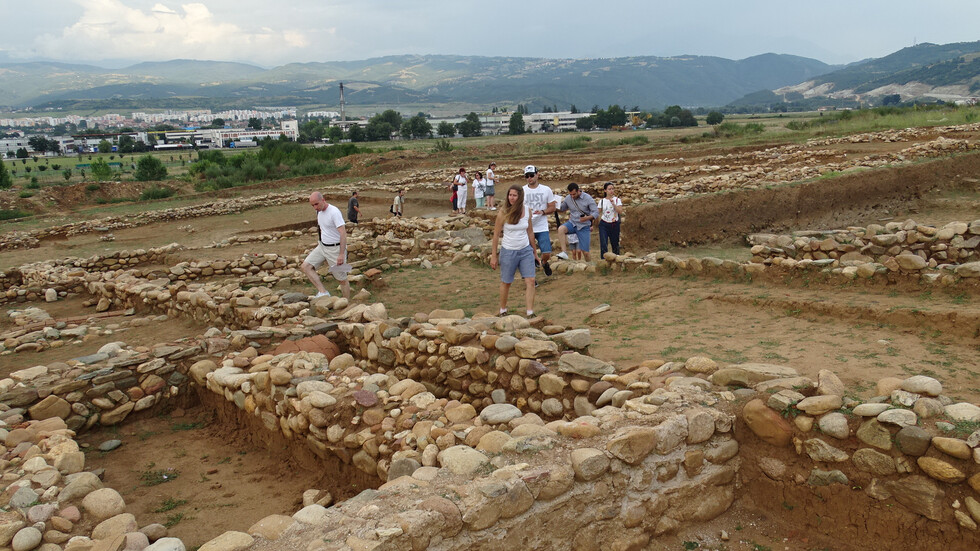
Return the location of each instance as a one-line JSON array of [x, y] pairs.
[[541, 200]]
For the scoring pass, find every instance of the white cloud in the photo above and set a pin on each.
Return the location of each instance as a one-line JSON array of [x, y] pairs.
[[111, 29]]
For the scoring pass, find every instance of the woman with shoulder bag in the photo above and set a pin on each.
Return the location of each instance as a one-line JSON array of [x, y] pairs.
[[610, 209]]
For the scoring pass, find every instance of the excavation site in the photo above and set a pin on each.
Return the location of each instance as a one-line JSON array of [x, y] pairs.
[[784, 356]]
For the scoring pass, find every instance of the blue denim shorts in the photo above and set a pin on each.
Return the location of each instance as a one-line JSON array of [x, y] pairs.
[[544, 241], [584, 235], [511, 261]]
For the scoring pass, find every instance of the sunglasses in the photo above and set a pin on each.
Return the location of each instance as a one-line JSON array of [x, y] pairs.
[[531, 175]]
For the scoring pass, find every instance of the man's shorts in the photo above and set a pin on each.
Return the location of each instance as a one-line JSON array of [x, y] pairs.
[[511, 261], [323, 254], [544, 241], [584, 235]]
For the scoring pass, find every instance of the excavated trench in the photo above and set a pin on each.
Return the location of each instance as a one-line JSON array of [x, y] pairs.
[[849, 199]]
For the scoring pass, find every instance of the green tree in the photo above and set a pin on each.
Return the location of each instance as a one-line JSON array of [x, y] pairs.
[[101, 171], [218, 123], [470, 126], [378, 130], [38, 143], [66, 174], [573, 109], [516, 125], [585, 123], [126, 144], [150, 168], [311, 131], [255, 123], [6, 182], [22, 153], [446, 129], [356, 134], [105, 146], [335, 134], [714, 118], [416, 127]]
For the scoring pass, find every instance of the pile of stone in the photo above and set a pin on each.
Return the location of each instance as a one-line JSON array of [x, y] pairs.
[[38, 331], [898, 135], [102, 388], [906, 246], [459, 475], [51, 503], [899, 444]]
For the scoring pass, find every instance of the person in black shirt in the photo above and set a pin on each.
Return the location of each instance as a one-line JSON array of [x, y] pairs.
[[353, 208]]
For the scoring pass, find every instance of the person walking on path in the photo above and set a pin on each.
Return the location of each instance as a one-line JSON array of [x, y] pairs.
[[353, 208], [399, 204], [489, 192], [460, 182], [541, 200], [582, 214], [479, 184], [610, 209], [331, 247], [512, 235]]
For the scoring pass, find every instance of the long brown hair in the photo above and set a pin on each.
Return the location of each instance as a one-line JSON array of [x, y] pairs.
[[512, 213]]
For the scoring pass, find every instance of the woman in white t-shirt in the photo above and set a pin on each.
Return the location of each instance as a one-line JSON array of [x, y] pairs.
[[479, 185], [610, 209], [514, 234], [460, 182], [490, 190]]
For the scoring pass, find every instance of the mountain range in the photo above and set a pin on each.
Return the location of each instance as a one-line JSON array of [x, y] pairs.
[[927, 70]]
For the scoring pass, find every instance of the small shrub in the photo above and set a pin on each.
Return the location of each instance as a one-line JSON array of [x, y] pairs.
[[92, 187], [25, 194], [33, 184], [442, 146], [156, 192], [11, 214]]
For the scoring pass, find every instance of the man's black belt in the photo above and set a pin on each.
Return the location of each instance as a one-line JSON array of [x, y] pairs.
[[330, 244]]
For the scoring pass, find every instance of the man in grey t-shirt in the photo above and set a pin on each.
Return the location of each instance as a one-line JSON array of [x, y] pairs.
[[353, 208]]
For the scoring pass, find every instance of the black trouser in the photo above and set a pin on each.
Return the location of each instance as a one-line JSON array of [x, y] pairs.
[[608, 232]]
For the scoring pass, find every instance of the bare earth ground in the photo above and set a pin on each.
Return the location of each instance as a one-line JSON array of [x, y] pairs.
[[861, 333]]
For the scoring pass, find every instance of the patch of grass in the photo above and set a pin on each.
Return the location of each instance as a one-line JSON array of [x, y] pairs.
[[12, 214], [145, 435], [177, 427], [169, 504], [964, 428], [173, 519], [156, 192], [153, 477]]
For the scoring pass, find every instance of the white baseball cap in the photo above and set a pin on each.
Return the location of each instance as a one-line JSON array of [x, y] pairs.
[[529, 169]]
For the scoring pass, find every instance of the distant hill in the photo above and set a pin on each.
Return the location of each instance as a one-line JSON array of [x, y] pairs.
[[649, 82], [946, 72]]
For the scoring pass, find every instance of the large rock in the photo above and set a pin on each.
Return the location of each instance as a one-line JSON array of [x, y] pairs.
[[764, 372], [633, 444], [818, 405], [584, 366], [104, 503], [462, 460], [700, 364], [532, 348], [52, 406], [575, 339], [828, 383], [589, 463], [818, 450], [963, 411], [919, 495], [229, 541], [873, 433], [873, 461], [921, 384], [913, 440], [767, 424], [940, 470], [496, 414]]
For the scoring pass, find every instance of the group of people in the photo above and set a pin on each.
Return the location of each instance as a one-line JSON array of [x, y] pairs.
[[484, 189], [522, 222]]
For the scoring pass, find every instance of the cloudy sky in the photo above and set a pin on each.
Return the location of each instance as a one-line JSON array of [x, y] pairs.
[[270, 32]]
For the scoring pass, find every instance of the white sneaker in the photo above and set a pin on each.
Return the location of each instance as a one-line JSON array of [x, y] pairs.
[[323, 294], [562, 255]]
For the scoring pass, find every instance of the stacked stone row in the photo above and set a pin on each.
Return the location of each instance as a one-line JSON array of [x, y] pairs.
[[899, 444], [665, 459], [908, 246], [102, 388], [898, 135], [49, 499]]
